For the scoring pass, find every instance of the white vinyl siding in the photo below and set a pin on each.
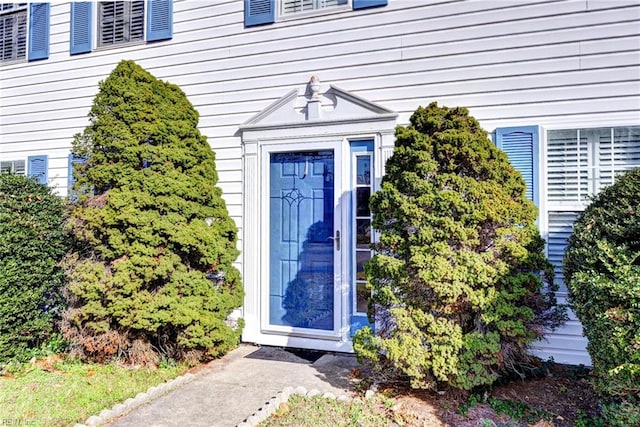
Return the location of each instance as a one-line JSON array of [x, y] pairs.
[[120, 22], [13, 31], [295, 6]]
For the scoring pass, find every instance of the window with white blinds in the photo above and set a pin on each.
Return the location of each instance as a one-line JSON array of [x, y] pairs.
[[296, 6], [120, 22], [580, 162], [13, 31], [15, 167]]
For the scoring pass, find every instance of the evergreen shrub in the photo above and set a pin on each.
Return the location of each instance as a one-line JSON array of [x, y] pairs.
[[602, 270], [457, 289], [32, 244], [151, 275]]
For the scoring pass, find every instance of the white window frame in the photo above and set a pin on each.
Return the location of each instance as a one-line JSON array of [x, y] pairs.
[[98, 42], [354, 224], [13, 168], [19, 11], [574, 207], [316, 10], [544, 185]]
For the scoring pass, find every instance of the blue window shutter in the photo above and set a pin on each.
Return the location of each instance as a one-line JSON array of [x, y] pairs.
[[522, 147], [37, 168], [38, 31], [364, 4], [258, 12], [73, 161], [159, 20], [81, 25]]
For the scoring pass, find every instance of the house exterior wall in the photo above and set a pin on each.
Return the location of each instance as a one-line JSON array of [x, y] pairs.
[[550, 63]]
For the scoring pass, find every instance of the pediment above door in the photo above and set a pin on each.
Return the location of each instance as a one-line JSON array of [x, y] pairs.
[[318, 105]]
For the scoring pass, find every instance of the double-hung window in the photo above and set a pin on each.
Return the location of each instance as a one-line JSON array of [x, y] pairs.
[[36, 167], [563, 169], [120, 22], [260, 12], [580, 163], [13, 28], [14, 167], [290, 7], [24, 31]]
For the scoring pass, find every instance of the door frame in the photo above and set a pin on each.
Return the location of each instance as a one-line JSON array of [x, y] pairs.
[[300, 118], [340, 271], [255, 243]]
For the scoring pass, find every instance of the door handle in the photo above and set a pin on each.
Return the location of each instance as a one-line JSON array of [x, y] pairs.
[[336, 239]]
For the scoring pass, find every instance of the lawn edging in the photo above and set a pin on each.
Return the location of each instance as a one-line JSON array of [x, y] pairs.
[[120, 409]]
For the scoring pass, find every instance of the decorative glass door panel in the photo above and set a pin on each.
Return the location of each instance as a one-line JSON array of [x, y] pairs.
[[360, 190], [302, 240]]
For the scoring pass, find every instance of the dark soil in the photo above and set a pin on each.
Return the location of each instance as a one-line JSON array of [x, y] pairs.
[[558, 396]]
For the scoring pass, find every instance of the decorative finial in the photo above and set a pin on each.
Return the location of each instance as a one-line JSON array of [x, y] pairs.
[[314, 84]]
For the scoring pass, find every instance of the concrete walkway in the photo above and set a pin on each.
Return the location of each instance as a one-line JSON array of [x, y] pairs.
[[227, 391]]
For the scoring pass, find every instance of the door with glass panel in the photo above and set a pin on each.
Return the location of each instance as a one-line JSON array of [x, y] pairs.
[[320, 238], [304, 242]]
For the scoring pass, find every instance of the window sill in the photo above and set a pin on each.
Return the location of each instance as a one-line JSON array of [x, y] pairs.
[[313, 13], [120, 45], [13, 62]]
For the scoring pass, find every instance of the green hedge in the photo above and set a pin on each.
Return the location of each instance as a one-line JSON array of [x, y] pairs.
[[32, 244], [602, 269]]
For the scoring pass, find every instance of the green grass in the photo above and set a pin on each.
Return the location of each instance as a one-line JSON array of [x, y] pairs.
[[70, 392], [317, 411]]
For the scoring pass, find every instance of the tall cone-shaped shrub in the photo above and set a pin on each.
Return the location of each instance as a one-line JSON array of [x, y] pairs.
[[457, 293], [152, 272]]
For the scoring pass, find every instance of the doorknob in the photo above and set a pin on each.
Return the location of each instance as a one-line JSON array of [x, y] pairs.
[[336, 239]]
